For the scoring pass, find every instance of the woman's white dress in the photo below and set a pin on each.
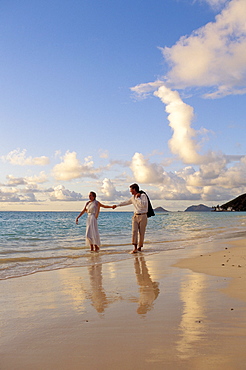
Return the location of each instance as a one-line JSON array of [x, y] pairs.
[[92, 233]]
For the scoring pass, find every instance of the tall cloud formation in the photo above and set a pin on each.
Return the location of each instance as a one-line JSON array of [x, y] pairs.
[[183, 142], [213, 56], [211, 181], [180, 117]]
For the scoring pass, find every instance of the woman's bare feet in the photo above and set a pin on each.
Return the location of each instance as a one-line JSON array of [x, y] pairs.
[[97, 248]]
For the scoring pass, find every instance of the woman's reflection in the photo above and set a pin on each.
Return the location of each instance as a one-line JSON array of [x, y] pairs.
[[97, 294], [148, 289]]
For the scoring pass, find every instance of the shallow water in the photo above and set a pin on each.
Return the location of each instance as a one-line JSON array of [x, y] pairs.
[[43, 241]]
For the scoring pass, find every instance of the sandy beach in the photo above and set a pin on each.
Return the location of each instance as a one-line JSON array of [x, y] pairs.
[[151, 311], [229, 262]]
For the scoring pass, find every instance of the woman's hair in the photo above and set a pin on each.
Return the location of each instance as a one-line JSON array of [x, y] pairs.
[[93, 194], [135, 187]]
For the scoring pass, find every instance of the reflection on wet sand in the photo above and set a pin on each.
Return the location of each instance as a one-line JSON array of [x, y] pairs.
[[97, 294], [192, 326], [148, 289]]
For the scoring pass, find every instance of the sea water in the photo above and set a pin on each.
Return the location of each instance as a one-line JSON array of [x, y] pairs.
[[41, 241]]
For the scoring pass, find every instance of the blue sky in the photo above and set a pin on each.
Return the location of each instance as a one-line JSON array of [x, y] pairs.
[[96, 95]]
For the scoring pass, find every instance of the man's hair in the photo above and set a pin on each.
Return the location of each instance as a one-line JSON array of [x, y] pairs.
[[93, 194], [135, 187]]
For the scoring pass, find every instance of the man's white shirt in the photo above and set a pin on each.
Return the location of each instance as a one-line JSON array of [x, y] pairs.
[[140, 204]]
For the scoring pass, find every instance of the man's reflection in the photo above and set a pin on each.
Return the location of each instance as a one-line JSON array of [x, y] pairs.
[[148, 289]]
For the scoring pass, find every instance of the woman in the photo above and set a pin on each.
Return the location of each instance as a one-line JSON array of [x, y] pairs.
[[92, 234]]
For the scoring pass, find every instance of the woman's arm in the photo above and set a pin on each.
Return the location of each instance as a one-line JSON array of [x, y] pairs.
[[81, 213], [101, 205], [104, 206], [98, 209]]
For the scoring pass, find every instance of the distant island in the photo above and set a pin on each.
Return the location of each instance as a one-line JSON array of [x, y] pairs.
[[199, 208], [160, 210], [237, 204]]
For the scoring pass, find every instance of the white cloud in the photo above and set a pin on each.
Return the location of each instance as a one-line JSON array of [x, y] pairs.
[[214, 181], [183, 143], [71, 168], [243, 160], [212, 56], [103, 154], [60, 193], [12, 195], [217, 181], [109, 191], [142, 91], [180, 116], [216, 194], [144, 171], [22, 189], [216, 3], [15, 181], [233, 177], [212, 170], [18, 157]]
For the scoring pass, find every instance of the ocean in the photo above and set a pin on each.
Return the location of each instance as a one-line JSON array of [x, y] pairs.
[[31, 242]]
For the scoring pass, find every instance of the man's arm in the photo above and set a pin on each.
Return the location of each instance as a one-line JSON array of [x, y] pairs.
[[125, 203]]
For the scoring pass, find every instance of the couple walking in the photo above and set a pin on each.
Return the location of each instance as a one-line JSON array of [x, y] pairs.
[[142, 210]]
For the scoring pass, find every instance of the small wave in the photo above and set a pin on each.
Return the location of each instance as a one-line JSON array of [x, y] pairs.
[[108, 245], [38, 250], [31, 259], [76, 248]]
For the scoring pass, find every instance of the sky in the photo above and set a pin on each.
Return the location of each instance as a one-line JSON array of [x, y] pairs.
[[97, 95]]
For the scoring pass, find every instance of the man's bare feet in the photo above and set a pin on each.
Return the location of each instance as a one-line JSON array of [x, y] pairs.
[[135, 250]]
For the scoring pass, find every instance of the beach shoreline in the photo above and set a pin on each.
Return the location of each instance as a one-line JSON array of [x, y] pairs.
[[151, 311]]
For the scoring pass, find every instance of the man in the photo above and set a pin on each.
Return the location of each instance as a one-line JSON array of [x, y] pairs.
[[141, 205]]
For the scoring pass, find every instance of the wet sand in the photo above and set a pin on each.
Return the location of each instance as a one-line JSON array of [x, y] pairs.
[[152, 311], [229, 262]]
